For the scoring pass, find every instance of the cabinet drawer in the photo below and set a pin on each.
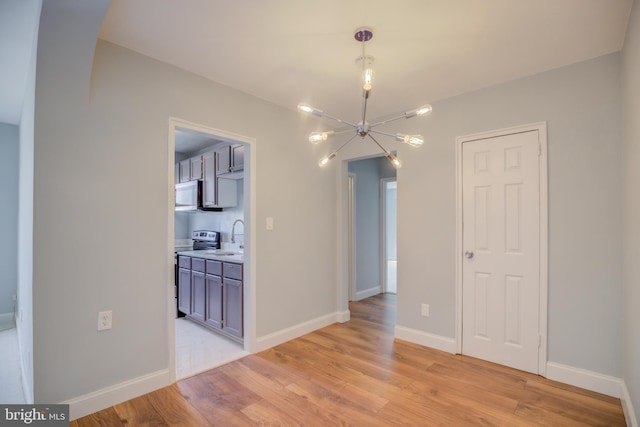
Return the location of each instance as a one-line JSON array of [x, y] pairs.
[[232, 270], [184, 262], [214, 267], [197, 264]]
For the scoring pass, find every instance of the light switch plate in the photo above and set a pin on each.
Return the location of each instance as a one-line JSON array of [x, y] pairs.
[[269, 223]]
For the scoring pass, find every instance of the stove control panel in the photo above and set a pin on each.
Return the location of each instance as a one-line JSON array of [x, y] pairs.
[[205, 235]]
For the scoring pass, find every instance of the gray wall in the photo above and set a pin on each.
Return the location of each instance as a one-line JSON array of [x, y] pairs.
[[581, 105], [92, 136], [631, 105], [9, 149]]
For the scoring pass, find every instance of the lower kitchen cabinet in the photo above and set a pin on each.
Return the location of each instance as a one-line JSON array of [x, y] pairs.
[[232, 306], [211, 293], [214, 299]]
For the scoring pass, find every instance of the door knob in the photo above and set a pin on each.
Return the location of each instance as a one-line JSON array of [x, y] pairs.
[[468, 254]]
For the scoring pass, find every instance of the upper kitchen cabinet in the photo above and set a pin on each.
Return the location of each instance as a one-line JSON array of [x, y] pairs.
[[190, 169], [217, 192], [231, 162], [196, 168]]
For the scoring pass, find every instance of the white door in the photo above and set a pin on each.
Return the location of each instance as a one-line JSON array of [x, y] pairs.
[[501, 249]]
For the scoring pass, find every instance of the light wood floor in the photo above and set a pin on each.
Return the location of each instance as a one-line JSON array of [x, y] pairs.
[[356, 374]]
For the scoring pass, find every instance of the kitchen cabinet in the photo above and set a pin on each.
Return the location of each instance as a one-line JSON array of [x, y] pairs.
[[232, 304], [184, 284], [214, 295], [210, 293], [184, 173], [198, 289], [231, 161], [209, 184], [218, 192], [195, 164], [190, 169]]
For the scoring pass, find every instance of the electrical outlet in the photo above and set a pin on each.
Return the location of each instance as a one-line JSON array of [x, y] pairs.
[[105, 319], [269, 223], [425, 310]]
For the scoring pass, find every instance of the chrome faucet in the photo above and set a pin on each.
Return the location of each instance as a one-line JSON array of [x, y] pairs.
[[233, 230]]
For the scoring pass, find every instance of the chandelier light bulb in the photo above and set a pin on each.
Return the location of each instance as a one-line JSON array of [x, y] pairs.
[[395, 162], [413, 140], [367, 72], [318, 137], [425, 110], [306, 108], [323, 162]]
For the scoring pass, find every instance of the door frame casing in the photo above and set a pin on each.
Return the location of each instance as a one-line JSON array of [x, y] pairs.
[[541, 128], [383, 232]]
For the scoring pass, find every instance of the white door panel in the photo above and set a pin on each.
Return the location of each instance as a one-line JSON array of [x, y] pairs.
[[501, 244]]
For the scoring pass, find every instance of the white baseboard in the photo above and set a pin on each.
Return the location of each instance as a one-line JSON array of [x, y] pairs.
[[360, 295], [627, 407], [426, 339], [6, 318], [271, 340], [118, 393], [343, 316], [594, 381]]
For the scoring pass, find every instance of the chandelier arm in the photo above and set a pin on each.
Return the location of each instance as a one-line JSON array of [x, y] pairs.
[[353, 125], [345, 143], [382, 133], [378, 144], [389, 120]]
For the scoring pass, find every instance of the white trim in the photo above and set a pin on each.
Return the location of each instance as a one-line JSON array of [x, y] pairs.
[[6, 318], [384, 286], [343, 316], [118, 393], [351, 230], [541, 128], [298, 330], [594, 381], [250, 232], [426, 339], [627, 407], [360, 295]]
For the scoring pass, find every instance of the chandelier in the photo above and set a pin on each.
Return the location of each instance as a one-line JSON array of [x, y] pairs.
[[363, 128]]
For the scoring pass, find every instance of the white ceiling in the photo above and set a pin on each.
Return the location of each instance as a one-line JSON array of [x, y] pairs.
[[287, 51]]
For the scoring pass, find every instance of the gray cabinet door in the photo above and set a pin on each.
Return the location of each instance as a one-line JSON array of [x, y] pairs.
[[198, 301], [184, 290], [209, 179], [223, 157], [237, 158], [214, 301], [232, 309]]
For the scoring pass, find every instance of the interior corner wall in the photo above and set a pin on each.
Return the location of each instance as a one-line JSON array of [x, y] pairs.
[[631, 242], [581, 104]]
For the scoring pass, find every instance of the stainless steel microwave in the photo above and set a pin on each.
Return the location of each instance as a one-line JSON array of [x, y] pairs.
[[189, 196]]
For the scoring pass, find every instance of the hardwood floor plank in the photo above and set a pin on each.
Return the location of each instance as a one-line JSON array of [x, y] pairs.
[[174, 409], [356, 374], [139, 412]]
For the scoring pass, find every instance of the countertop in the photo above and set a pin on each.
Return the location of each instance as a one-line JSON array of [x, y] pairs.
[[217, 255]]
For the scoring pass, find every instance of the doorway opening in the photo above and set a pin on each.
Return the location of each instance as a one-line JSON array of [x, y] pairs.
[[371, 207], [194, 347]]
